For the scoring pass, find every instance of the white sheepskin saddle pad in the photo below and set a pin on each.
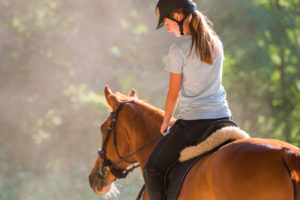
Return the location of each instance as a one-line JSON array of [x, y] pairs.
[[215, 139]]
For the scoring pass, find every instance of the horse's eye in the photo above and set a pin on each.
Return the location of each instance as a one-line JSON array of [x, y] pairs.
[[103, 129], [105, 126]]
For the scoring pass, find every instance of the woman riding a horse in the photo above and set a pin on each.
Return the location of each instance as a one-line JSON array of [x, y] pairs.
[[195, 65], [250, 168]]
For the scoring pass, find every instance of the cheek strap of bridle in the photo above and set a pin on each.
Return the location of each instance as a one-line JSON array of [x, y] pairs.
[[180, 23], [112, 129], [117, 172]]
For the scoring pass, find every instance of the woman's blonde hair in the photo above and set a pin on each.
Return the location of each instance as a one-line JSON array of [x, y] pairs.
[[204, 38]]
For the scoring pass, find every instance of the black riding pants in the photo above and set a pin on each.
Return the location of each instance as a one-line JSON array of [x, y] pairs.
[[182, 134]]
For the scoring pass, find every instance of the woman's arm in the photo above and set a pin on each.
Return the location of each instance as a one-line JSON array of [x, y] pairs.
[[172, 100]]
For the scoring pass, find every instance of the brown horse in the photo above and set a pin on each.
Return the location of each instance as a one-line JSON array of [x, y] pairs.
[[254, 169]]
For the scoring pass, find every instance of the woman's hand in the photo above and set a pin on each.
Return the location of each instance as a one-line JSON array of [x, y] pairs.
[[164, 127]]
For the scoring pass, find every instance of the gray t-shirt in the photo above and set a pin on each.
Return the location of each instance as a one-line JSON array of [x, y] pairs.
[[202, 95]]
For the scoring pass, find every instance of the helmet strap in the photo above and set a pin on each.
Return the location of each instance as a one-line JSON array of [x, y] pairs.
[[180, 24]]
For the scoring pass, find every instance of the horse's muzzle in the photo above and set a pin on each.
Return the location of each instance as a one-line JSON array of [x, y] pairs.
[[98, 184]]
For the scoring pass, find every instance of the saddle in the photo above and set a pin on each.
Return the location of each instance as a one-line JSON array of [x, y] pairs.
[[212, 141], [219, 133]]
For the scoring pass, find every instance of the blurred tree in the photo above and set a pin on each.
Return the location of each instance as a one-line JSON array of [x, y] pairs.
[[261, 40]]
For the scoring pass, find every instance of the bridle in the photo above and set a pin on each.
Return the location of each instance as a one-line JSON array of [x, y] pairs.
[[108, 165]]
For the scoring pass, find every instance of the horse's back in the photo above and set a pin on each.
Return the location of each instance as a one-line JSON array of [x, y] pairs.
[[244, 169]]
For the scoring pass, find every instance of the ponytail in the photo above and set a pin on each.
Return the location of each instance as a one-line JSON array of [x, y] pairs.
[[204, 38]]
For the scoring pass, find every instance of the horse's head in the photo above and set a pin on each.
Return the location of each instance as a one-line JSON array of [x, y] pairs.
[[113, 160]]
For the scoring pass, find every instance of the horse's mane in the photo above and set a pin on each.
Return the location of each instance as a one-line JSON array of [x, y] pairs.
[[141, 102], [152, 116]]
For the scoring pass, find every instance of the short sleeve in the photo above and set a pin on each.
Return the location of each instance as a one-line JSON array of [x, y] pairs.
[[175, 60]]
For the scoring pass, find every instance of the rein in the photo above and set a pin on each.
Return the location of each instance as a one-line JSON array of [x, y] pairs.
[[108, 165]]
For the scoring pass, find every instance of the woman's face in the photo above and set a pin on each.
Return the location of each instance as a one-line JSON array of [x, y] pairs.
[[172, 27]]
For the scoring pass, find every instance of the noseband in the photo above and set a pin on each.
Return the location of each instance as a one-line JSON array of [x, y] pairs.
[[108, 165]]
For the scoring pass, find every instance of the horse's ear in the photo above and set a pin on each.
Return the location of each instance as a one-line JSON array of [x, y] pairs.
[[111, 98], [133, 93]]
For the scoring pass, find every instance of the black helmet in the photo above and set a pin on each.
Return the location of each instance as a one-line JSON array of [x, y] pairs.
[[165, 7]]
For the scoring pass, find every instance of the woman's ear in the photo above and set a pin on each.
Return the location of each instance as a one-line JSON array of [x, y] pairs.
[[177, 16], [111, 98]]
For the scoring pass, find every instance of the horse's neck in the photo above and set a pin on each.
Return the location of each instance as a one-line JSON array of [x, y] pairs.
[[146, 127]]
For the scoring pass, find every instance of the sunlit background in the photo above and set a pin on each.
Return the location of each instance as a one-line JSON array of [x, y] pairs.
[[57, 55]]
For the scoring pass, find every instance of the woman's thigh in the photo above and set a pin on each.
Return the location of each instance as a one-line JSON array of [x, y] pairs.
[[184, 133], [169, 147]]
